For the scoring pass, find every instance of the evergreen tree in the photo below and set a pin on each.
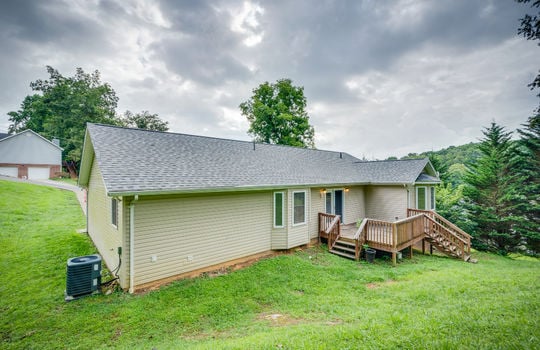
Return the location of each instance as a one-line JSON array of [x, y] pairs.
[[486, 192], [525, 184], [450, 204]]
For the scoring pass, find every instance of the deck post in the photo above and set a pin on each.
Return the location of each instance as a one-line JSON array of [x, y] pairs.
[[410, 252], [431, 249], [395, 244], [424, 246]]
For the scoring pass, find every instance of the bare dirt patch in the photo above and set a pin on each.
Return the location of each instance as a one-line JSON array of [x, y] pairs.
[[380, 284], [277, 320]]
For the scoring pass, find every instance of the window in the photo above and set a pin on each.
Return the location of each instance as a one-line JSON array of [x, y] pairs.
[[278, 209], [421, 198], [299, 208], [114, 211], [432, 198]]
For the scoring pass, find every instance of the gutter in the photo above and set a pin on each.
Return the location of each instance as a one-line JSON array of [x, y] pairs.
[[132, 244], [242, 188]]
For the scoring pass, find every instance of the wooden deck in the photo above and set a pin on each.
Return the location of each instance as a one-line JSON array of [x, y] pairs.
[[394, 236]]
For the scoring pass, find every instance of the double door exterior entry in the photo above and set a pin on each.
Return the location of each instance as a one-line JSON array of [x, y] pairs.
[[334, 203]]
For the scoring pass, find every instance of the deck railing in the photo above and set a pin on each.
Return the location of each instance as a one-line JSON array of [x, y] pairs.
[[329, 227], [395, 236]]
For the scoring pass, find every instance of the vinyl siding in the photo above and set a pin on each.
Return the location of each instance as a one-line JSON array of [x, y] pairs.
[[412, 196], [193, 232], [354, 204], [27, 148], [386, 202], [317, 206], [105, 236], [298, 234]]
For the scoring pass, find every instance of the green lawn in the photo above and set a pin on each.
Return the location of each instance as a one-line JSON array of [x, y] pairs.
[[309, 299]]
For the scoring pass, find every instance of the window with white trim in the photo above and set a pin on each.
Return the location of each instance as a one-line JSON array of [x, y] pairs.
[[432, 198], [279, 209], [299, 208], [114, 212]]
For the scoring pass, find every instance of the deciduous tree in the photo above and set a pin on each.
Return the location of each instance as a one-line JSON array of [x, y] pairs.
[[62, 107], [144, 120], [277, 114]]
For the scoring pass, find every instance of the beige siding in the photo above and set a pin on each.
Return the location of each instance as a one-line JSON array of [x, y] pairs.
[[354, 205], [317, 206], [298, 234], [386, 202], [412, 196], [183, 234], [106, 237]]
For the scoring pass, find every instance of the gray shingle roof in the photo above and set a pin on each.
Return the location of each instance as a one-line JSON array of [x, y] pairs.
[[425, 178], [140, 161]]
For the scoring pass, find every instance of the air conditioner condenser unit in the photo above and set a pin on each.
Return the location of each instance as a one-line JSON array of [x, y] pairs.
[[83, 276]]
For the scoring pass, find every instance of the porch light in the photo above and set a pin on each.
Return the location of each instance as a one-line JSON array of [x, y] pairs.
[[346, 189], [323, 192]]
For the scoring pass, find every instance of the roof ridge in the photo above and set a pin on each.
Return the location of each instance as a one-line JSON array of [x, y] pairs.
[[216, 138], [390, 160]]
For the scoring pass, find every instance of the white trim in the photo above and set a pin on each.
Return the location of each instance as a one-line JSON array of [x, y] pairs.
[[305, 208], [425, 197], [282, 210], [433, 201]]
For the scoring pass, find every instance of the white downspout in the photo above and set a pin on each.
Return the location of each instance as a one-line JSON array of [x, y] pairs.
[[132, 243]]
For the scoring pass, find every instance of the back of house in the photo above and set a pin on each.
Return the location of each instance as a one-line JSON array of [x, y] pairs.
[[176, 204]]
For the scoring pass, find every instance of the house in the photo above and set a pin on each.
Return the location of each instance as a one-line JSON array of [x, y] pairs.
[[171, 204], [27, 155]]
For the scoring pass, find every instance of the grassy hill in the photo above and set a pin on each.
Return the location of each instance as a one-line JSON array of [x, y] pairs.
[[308, 299]]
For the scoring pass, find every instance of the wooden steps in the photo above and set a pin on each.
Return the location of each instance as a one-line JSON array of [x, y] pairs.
[[344, 248], [445, 246]]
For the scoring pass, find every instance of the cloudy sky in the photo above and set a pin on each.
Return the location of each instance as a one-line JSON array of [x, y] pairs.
[[381, 78]]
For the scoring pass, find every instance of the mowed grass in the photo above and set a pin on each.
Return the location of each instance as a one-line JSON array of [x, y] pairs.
[[309, 299]]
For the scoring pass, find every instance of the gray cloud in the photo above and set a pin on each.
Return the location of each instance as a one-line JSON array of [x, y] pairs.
[[376, 74]]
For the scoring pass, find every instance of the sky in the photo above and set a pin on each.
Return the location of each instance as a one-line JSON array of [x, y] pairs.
[[381, 78]]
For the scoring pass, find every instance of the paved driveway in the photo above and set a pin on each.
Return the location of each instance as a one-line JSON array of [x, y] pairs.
[[79, 192]]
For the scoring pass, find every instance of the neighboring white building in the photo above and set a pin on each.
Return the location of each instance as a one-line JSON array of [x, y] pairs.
[[27, 155]]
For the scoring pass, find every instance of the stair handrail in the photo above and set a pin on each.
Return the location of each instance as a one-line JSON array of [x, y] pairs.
[[446, 230], [452, 226], [360, 229], [333, 231], [359, 238], [446, 223], [464, 244]]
